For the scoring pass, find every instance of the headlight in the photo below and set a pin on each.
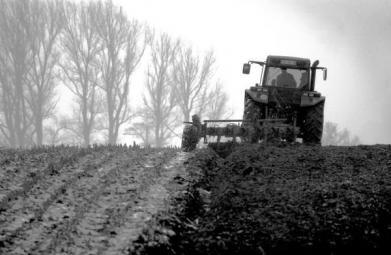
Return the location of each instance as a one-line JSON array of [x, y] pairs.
[[311, 94], [263, 98]]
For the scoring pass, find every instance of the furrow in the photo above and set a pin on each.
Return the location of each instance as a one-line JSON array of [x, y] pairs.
[[54, 210], [78, 202], [30, 175], [152, 199], [31, 207]]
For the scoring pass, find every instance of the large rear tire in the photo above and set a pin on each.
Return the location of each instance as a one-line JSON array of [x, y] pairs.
[[252, 113], [312, 126], [189, 138]]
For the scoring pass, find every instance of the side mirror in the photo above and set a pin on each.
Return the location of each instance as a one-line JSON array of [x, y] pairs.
[[246, 68], [324, 74]]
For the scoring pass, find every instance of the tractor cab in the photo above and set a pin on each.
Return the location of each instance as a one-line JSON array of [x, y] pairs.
[[287, 72]]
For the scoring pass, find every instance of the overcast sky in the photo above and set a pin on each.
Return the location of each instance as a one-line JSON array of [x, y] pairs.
[[350, 38]]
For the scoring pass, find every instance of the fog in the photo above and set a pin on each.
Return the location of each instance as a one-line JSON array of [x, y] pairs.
[[357, 36], [350, 38], [58, 85]]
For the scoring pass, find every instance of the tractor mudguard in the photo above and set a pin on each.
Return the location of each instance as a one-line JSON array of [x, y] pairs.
[[307, 101], [257, 95]]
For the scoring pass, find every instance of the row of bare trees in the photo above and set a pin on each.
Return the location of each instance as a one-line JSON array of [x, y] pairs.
[[28, 58], [178, 84], [93, 50], [102, 48]]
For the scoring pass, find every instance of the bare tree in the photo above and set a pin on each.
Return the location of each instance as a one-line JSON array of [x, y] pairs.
[[82, 45], [123, 45], [47, 19], [15, 42], [355, 140], [142, 127], [330, 133], [333, 136], [57, 132], [3, 142], [191, 79], [160, 101], [216, 104]]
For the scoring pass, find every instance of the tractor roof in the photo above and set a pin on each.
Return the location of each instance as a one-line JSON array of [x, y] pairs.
[[286, 61]]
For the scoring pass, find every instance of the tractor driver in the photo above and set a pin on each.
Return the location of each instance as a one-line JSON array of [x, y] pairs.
[[285, 79]]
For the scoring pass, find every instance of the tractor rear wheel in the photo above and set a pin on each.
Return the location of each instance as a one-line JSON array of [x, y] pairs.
[[252, 113], [312, 127], [189, 138]]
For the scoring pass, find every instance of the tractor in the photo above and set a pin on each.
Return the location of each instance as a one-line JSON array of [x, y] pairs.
[[283, 107]]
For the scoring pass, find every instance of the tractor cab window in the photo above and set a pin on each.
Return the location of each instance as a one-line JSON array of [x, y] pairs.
[[286, 77]]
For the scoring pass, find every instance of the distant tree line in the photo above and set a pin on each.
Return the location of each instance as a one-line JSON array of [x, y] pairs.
[[332, 135], [93, 49]]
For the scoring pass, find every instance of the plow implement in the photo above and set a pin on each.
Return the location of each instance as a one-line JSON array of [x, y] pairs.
[[219, 132]]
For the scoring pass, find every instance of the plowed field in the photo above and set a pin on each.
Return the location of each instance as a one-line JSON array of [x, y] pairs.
[[288, 199], [66, 200], [248, 199]]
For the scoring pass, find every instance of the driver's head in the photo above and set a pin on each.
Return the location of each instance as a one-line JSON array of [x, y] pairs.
[[283, 69]]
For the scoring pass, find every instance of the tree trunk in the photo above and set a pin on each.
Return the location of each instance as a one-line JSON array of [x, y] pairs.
[[39, 131], [19, 112], [187, 115], [157, 142], [86, 138]]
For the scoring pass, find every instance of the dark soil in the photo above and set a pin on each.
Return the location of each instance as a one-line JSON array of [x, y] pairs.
[[290, 199]]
